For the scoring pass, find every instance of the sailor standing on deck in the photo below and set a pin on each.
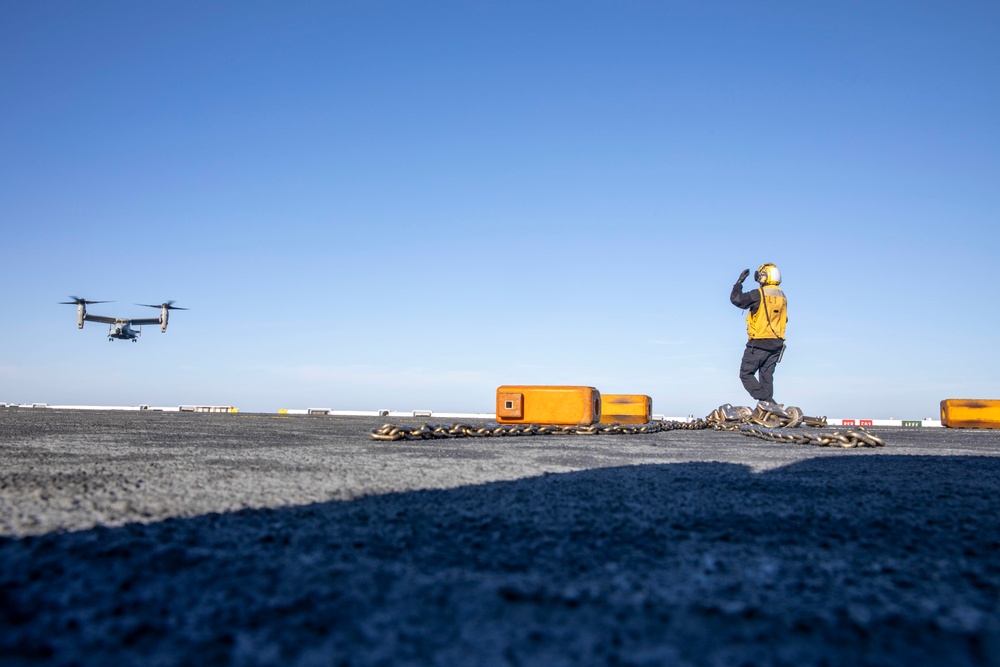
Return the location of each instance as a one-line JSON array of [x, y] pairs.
[[766, 320]]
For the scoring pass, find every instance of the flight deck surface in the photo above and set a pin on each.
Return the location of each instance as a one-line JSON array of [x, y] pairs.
[[177, 538]]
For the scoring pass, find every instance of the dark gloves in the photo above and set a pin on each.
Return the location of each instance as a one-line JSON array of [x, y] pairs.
[[743, 276]]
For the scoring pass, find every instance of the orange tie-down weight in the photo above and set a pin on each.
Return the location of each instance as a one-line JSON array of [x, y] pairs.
[[626, 409], [544, 404], [970, 413]]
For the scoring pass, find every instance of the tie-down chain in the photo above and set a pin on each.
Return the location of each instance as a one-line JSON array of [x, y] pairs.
[[432, 432], [757, 423], [777, 426]]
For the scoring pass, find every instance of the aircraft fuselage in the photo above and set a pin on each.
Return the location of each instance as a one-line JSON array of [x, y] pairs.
[[122, 331]]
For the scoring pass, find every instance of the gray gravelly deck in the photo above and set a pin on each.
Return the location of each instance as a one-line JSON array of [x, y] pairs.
[[175, 539]]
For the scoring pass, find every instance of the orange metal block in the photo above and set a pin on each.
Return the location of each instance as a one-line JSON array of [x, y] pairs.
[[626, 409], [970, 413], [528, 404]]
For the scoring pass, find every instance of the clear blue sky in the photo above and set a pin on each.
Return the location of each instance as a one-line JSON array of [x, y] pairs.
[[407, 204]]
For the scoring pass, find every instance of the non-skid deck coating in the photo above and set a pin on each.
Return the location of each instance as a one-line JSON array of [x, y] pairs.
[[183, 539]]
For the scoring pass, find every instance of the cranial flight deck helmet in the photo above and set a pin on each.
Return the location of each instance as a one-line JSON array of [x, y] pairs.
[[767, 274]]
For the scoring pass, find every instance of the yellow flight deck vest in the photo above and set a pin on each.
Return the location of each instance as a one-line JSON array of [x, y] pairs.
[[771, 316]]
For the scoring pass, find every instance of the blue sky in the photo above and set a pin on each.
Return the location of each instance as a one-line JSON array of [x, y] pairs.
[[405, 205]]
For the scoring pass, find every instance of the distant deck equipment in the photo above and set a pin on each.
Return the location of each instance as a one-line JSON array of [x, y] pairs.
[[626, 409], [545, 404], [970, 413]]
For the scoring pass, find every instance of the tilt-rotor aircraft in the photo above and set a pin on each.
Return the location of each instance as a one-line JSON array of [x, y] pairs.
[[121, 327]]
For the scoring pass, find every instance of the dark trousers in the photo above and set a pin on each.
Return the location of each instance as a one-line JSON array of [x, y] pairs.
[[757, 372]]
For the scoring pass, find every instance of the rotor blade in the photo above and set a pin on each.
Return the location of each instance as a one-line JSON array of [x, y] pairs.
[[77, 300], [167, 304]]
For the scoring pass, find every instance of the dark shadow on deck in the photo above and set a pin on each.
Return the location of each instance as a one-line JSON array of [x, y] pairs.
[[889, 560]]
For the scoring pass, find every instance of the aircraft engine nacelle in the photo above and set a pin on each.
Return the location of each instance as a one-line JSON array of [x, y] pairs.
[[165, 309], [81, 314]]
